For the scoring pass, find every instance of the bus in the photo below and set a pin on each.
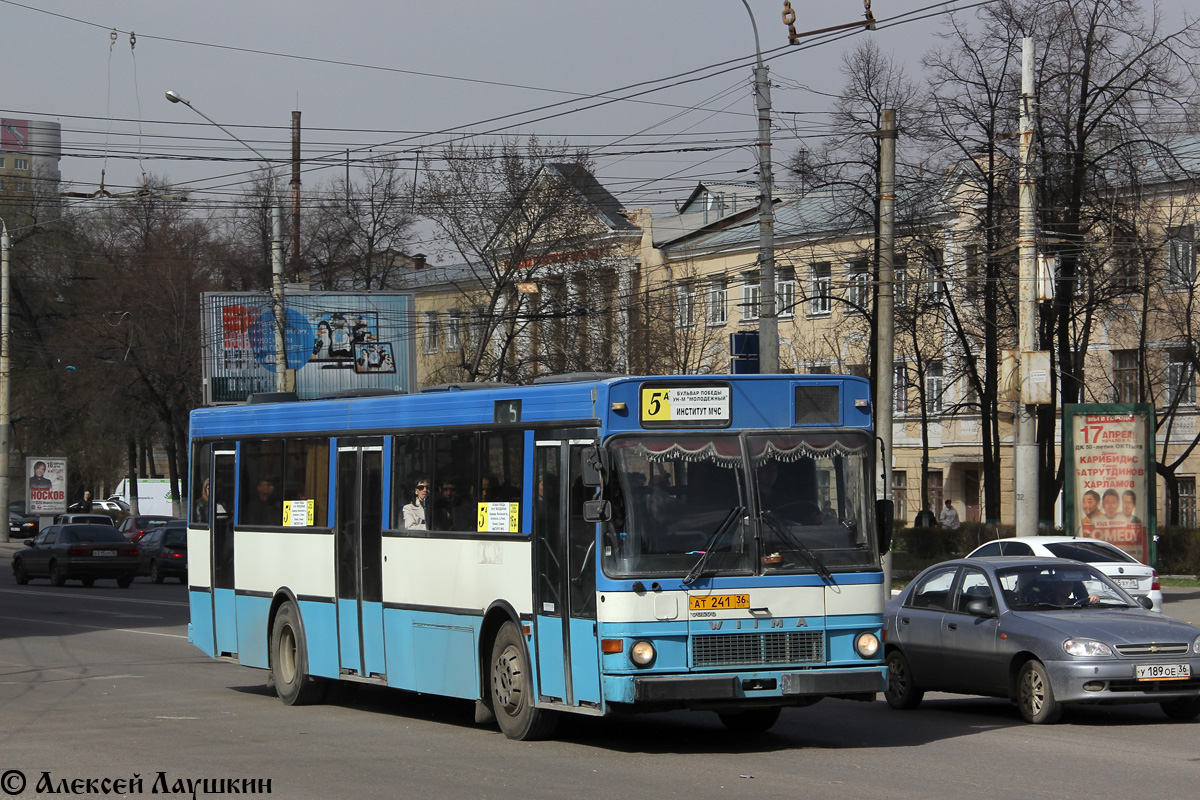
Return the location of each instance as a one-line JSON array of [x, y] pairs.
[[587, 544]]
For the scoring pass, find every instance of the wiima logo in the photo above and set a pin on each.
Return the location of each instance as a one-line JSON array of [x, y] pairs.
[[754, 623]]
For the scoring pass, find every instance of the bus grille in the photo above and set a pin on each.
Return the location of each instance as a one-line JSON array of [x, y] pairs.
[[736, 649]]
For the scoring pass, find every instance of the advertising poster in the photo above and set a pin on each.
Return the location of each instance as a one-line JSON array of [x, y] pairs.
[[1110, 475], [334, 342], [45, 485]]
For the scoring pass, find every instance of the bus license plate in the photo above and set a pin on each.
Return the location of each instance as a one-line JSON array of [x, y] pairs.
[[1163, 672], [1127, 583], [104, 552], [718, 602]]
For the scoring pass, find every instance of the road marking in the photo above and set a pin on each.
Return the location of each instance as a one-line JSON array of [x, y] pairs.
[[95, 597], [96, 627]]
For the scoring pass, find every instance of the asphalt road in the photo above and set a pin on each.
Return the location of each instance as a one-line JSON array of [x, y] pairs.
[[102, 683]]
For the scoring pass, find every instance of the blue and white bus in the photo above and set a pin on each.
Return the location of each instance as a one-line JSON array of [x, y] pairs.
[[592, 545]]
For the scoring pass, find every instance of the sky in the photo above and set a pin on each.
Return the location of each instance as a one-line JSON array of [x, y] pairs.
[[658, 90]]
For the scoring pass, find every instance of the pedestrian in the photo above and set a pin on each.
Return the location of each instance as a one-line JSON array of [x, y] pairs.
[[925, 518], [949, 517], [85, 505]]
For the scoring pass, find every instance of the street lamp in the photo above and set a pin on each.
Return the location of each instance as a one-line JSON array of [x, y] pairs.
[[277, 308]]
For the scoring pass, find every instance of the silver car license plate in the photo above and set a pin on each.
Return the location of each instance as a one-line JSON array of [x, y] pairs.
[[1163, 672], [104, 552]]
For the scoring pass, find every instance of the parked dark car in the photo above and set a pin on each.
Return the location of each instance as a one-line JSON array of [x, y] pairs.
[[135, 528], [162, 552], [22, 526], [83, 519], [79, 552], [1041, 631]]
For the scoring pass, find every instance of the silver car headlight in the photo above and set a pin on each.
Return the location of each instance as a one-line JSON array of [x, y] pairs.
[[1086, 647], [1196, 646]]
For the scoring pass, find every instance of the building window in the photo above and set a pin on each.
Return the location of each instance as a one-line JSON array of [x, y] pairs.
[[685, 305], [900, 280], [1187, 502], [934, 385], [1, 163], [972, 274], [858, 285], [453, 331], [935, 490], [934, 283], [900, 493], [718, 296], [1124, 376], [819, 278], [21, 163], [785, 292], [1181, 255], [1181, 379], [899, 388], [431, 332], [749, 304], [1125, 267]]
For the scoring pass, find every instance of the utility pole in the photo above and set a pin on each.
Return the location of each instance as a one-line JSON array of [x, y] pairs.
[[5, 374], [768, 321], [1025, 461], [296, 197], [885, 327]]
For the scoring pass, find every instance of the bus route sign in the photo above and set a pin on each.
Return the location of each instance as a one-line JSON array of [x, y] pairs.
[[693, 405]]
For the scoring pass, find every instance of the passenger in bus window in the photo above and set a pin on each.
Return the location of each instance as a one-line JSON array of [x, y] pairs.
[[265, 507], [414, 512], [449, 510]]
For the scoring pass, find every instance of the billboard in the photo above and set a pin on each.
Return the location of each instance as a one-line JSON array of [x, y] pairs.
[[1110, 479], [334, 341], [14, 134], [45, 485]]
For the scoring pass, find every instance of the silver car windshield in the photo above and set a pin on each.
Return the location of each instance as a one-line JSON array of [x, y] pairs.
[[1041, 588], [715, 504]]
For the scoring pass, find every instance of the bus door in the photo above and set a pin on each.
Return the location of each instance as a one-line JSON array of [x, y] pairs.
[[359, 534], [224, 490], [568, 659]]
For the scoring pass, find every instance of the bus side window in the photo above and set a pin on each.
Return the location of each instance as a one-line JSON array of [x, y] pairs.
[[412, 468]]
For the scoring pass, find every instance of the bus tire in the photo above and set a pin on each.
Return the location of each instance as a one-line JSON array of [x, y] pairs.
[[289, 662], [512, 689], [753, 721]]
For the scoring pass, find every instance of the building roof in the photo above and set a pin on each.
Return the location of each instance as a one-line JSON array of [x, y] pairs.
[[609, 208]]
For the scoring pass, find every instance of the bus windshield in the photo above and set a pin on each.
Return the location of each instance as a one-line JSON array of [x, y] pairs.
[[725, 504]]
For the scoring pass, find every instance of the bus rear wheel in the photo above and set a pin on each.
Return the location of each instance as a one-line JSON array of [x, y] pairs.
[[512, 689], [756, 720], [289, 664]]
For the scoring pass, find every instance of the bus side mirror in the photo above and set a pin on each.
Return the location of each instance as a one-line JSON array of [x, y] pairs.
[[597, 511], [593, 466], [885, 512]]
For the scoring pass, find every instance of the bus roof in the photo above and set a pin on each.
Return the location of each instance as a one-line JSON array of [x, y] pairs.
[[613, 404]]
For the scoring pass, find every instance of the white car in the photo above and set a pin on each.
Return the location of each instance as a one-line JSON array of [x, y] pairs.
[[1126, 571]]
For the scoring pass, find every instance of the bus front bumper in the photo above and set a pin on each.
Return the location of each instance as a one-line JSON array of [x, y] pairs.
[[689, 690]]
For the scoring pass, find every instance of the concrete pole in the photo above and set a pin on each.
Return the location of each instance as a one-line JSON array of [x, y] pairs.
[[277, 305], [1025, 466], [768, 321], [885, 331], [295, 259], [5, 374]]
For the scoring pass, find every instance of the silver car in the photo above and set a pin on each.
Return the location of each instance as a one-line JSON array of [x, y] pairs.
[[1041, 631]]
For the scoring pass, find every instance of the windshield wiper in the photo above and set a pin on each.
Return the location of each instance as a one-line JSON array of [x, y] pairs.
[[816, 563], [698, 569]]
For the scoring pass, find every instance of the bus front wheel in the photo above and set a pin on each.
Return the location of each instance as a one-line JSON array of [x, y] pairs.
[[512, 689], [289, 663]]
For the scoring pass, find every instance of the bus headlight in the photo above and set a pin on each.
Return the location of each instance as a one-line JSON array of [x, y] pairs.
[[642, 653], [867, 644]]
